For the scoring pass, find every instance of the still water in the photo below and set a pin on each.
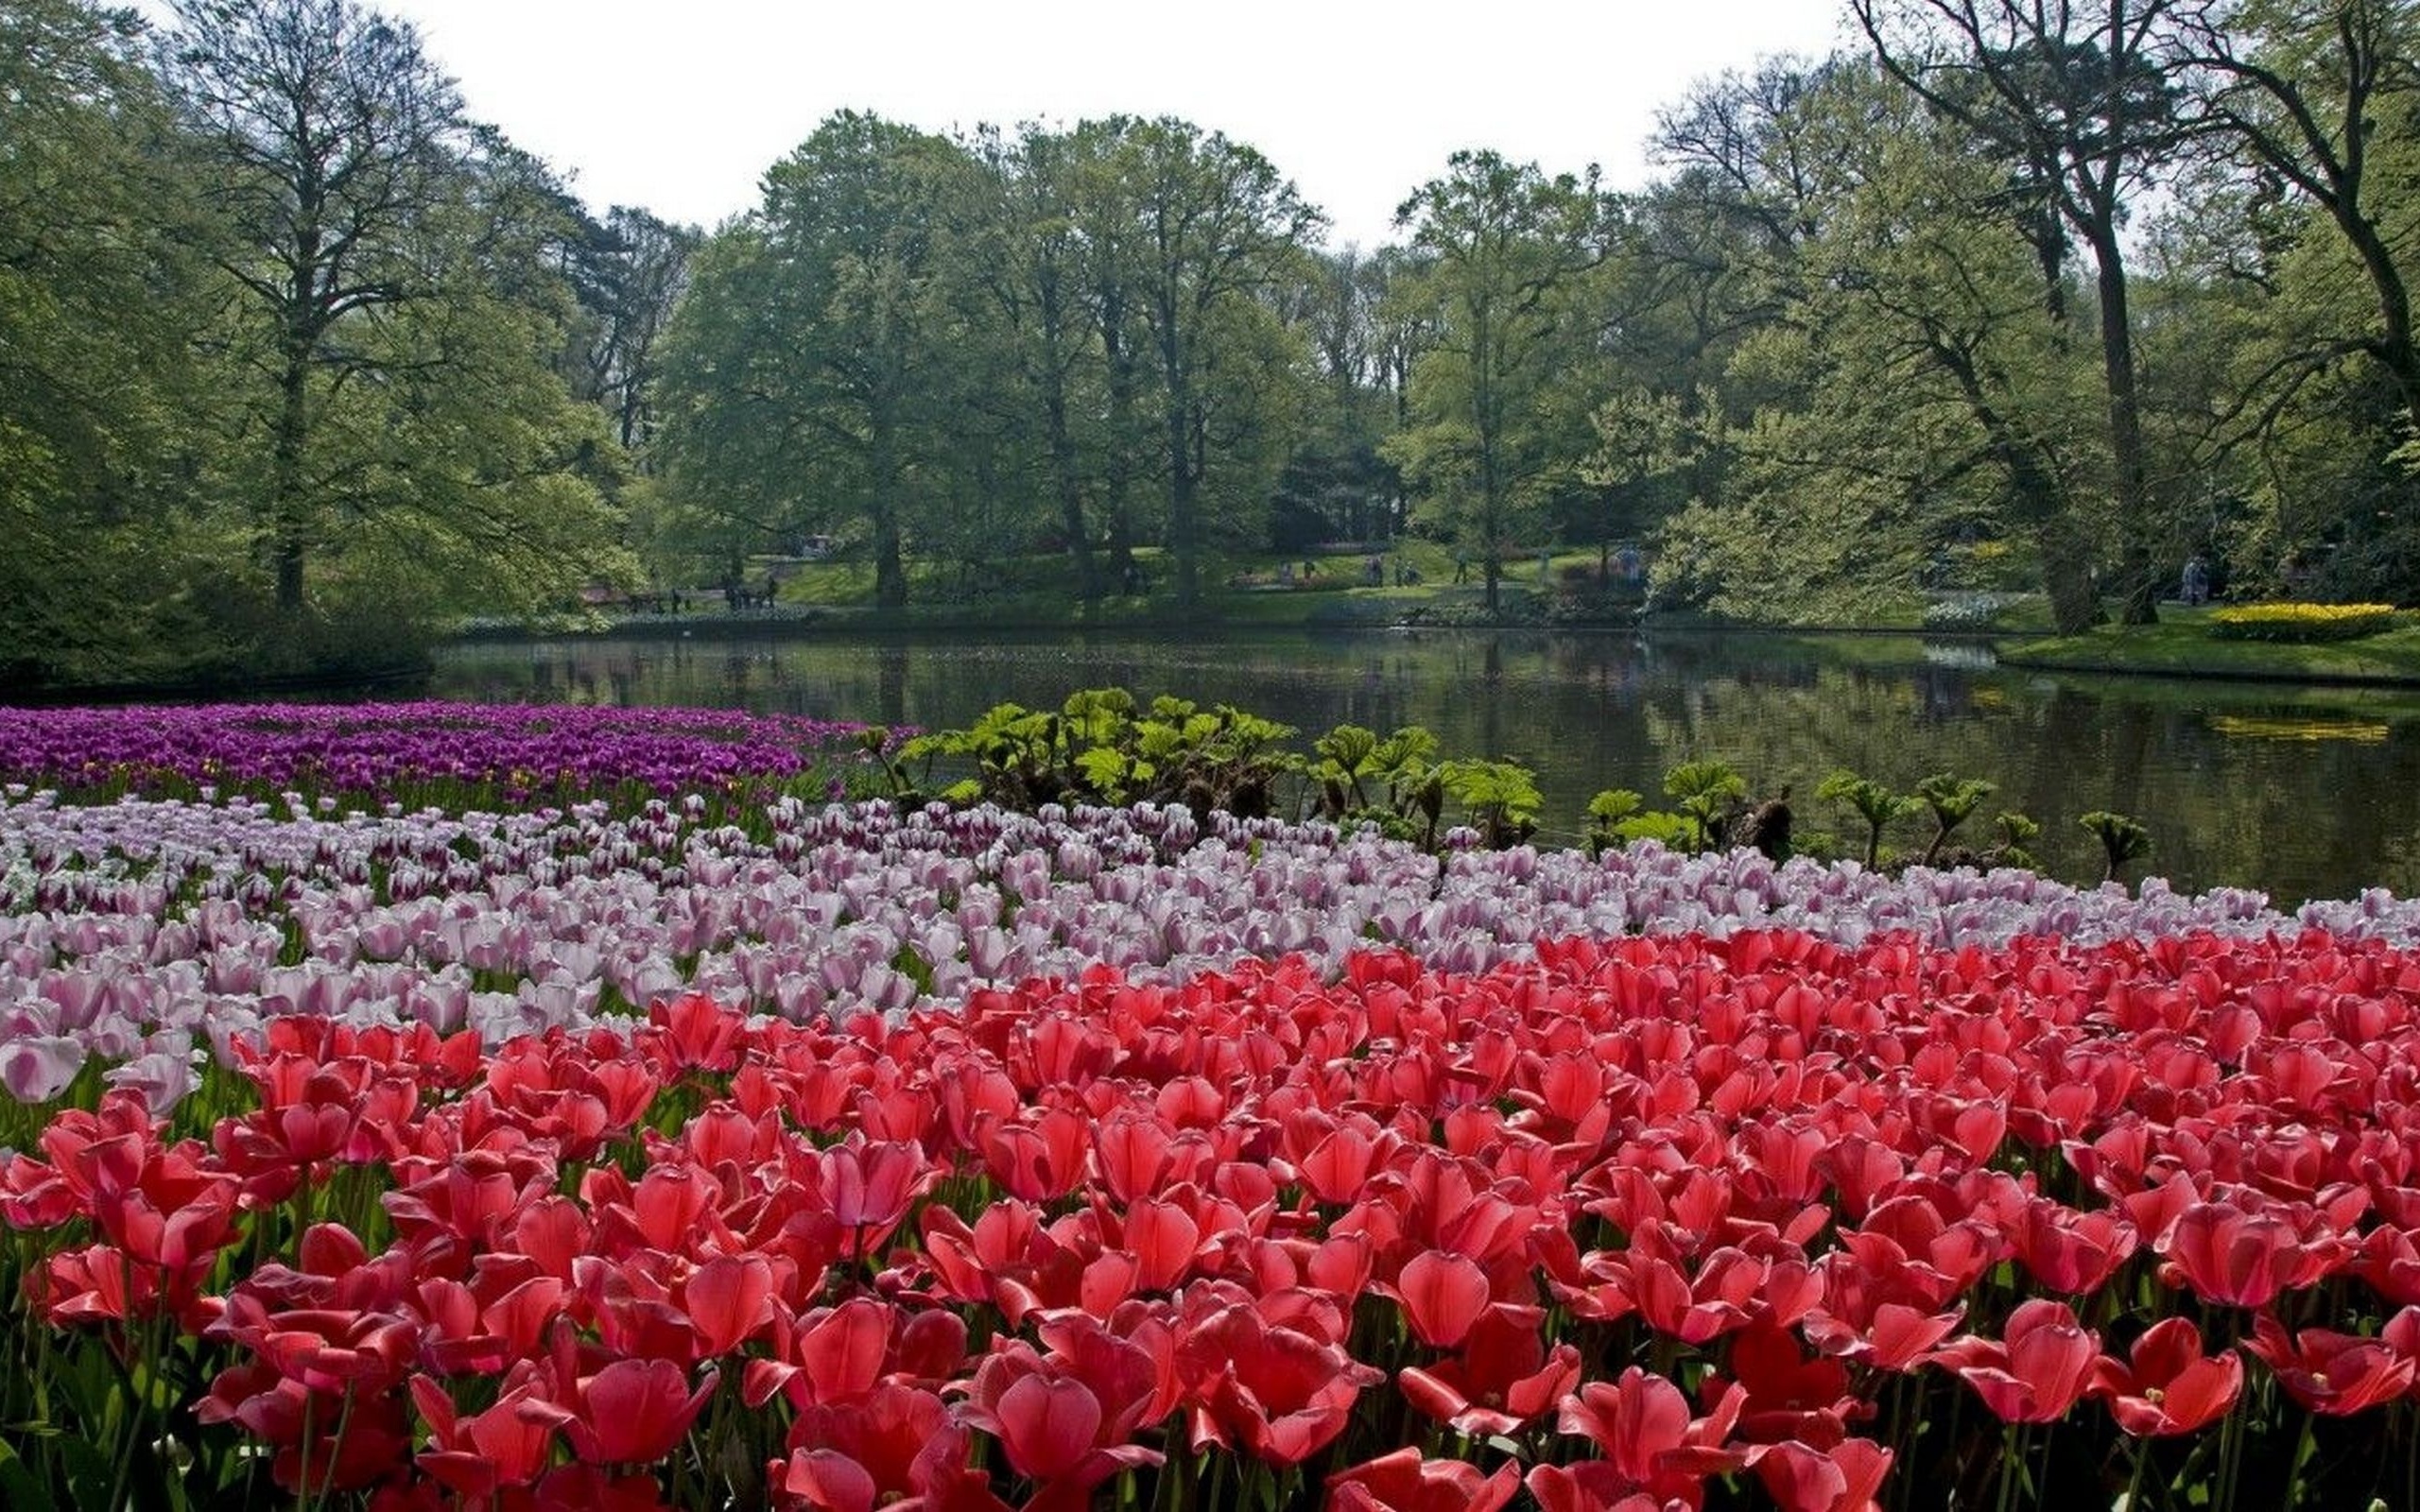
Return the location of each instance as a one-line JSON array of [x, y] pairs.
[[2301, 794]]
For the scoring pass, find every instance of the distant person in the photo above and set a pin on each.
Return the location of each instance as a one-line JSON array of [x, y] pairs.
[[2197, 581], [1461, 568], [1373, 572], [1627, 563]]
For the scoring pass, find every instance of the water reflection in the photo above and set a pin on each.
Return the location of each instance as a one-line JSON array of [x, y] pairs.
[[2299, 794]]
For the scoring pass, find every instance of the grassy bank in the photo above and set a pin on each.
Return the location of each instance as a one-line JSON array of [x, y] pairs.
[[1415, 586], [2181, 645]]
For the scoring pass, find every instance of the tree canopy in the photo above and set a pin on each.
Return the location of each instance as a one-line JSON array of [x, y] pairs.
[[302, 364]]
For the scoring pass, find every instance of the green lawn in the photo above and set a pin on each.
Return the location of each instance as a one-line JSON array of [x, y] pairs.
[[1259, 588], [2181, 646]]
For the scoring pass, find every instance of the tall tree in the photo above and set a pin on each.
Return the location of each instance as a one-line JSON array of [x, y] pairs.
[[396, 308], [2317, 93], [810, 365], [102, 295], [1032, 268], [1215, 225], [1918, 388], [629, 270], [1505, 247], [2071, 95], [333, 136]]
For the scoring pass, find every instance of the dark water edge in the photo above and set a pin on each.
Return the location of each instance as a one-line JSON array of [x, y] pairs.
[[2300, 793]]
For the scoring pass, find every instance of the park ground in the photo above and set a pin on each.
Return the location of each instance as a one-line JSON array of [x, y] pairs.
[[1418, 587]]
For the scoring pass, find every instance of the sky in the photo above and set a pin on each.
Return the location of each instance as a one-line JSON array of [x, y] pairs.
[[679, 108]]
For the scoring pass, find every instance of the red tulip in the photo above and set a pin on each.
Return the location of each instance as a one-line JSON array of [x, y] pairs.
[[1846, 1477], [1055, 1428], [633, 1412], [1642, 1426], [1789, 1398], [1279, 1393], [2245, 1258], [2331, 1373], [475, 1457], [1165, 1239], [1442, 1296], [1404, 1482], [697, 1033], [869, 1186], [830, 1357], [2069, 1251], [2390, 1262], [2167, 1386], [1503, 1379], [729, 1299], [2036, 1370], [897, 1443]]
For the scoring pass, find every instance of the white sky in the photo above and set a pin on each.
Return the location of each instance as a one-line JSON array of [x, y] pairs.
[[679, 108]]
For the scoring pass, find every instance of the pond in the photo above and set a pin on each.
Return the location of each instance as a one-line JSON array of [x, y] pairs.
[[2299, 792]]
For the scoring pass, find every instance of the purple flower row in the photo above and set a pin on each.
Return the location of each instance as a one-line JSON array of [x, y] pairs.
[[144, 933], [517, 749]]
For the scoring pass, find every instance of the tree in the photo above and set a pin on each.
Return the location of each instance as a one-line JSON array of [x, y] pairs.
[[1919, 391], [1336, 484], [2071, 96], [100, 301], [1505, 247], [811, 365], [1032, 270], [629, 272], [1643, 440], [2310, 91], [395, 318], [1215, 224]]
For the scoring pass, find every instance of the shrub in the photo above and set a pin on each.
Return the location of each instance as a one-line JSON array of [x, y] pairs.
[[2301, 623], [1965, 611]]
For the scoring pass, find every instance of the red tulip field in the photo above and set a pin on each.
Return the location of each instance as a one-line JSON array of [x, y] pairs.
[[723, 1149], [1641, 1223]]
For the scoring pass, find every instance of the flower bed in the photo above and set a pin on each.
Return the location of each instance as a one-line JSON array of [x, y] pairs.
[[1635, 1223], [2301, 623], [135, 935], [691, 1142], [454, 754]]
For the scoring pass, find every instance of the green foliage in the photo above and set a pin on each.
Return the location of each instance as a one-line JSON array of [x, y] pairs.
[[1951, 801], [2122, 839], [2016, 832], [1353, 763], [1498, 421], [1614, 820], [1607, 810], [1099, 746], [1872, 803], [1500, 799], [1707, 789]]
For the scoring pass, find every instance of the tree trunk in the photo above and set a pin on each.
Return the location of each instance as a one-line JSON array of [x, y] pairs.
[[2067, 575], [1071, 495], [2393, 346], [889, 574], [1117, 472], [2139, 583], [1183, 487], [2035, 497], [289, 512]]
